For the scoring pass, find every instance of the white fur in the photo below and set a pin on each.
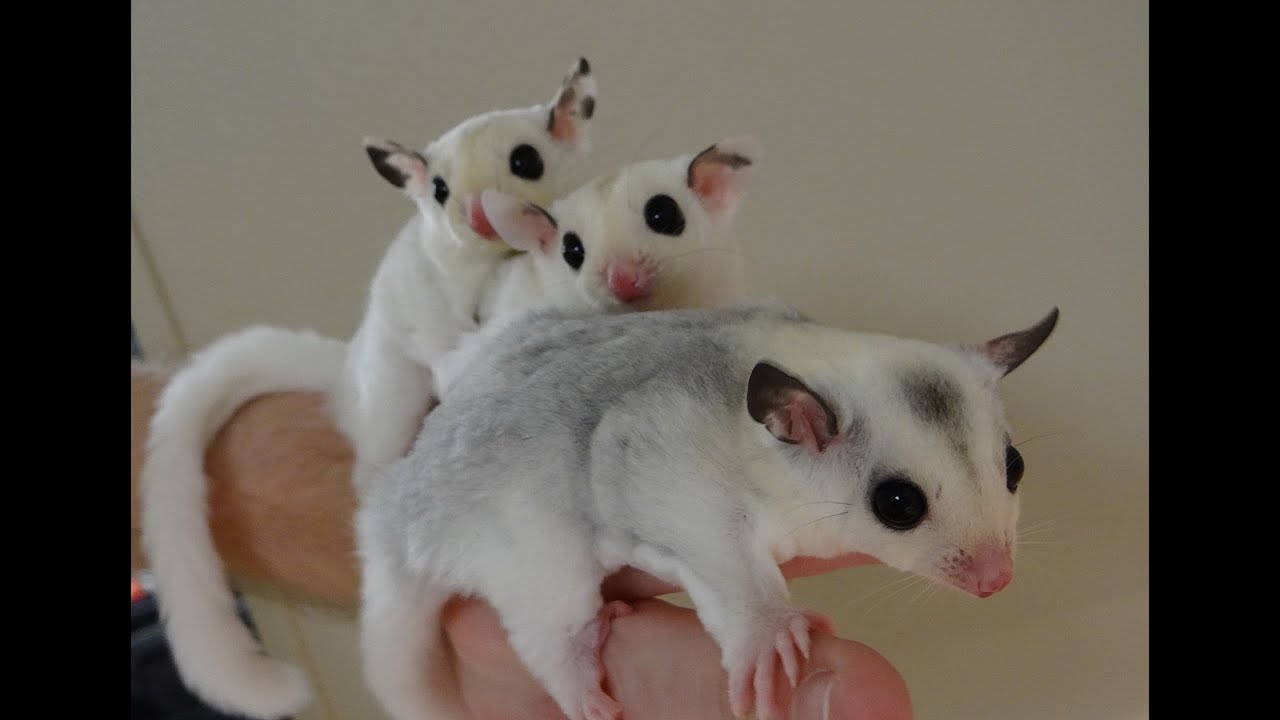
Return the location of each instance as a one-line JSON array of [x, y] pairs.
[[699, 268], [631, 440], [214, 651], [422, 298]]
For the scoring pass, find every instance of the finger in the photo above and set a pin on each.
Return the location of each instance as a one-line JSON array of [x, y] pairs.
[[662, 664]]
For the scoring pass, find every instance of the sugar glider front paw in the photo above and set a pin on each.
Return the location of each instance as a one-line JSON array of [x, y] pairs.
[[753, 664]]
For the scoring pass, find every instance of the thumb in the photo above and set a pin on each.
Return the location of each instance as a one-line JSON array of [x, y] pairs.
[[662, 665]]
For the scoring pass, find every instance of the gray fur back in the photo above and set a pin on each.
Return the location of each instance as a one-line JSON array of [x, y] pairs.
[[521, 418]]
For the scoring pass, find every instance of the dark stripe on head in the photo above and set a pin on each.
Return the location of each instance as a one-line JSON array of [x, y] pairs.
[[932, 396], [938, 401]]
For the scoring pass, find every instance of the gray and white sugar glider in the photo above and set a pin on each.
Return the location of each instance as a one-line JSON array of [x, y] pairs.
[[702, 446], [420, 304]]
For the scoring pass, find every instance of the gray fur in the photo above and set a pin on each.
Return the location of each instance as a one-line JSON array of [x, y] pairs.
[[938, 401], [540, 397], [571, 444]]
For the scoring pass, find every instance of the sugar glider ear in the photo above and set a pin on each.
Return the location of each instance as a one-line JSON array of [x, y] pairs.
[[573, 106], [721, 174], [1007, 352], [406, 169], [789, 409], [522, 225]]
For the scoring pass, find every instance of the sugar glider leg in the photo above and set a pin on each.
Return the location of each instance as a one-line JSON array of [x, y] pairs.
[[743, 601], [557, 623], [400, 640], [390, 408]]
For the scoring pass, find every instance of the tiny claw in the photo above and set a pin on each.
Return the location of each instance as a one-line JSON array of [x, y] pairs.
[[790, 665], [800, 634], [765, 706], [601, 707]]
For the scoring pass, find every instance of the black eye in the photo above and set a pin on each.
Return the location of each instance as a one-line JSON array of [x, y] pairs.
[[663, 216], [1013, 468], [442, 189], [898, 504], [526, 162], [573, 252]]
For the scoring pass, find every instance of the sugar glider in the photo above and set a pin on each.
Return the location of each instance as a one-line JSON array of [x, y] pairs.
[[656, 234], [702, 446], [422, 298]]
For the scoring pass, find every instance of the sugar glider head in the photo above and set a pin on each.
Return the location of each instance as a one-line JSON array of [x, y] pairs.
[[530, 153], [640, 237], [903, 449]]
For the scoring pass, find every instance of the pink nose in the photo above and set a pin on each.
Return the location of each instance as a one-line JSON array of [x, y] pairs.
[[991, 570], [629, 281]]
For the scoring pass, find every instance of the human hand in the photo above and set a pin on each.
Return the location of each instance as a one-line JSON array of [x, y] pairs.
[[662, 664]]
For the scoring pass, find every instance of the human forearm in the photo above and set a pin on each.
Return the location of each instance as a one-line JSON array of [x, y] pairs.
[[280, 494]]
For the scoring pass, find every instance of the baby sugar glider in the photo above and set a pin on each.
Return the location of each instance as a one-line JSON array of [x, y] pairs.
[[420, 302], [651, 235], [705, 447]]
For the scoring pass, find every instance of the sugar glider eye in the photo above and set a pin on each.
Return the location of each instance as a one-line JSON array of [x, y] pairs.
[[663, 216], [1013, 468], [573, 251], [442, 189], [898, 503], [526, 162]]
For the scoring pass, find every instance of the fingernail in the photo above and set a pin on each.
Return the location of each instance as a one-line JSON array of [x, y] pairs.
[[812, 700]]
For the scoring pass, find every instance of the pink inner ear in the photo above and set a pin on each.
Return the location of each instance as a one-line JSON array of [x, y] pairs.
[[542, 228], [800, 421], [419, 181], [714, 184], [564, 121], [564, 128]]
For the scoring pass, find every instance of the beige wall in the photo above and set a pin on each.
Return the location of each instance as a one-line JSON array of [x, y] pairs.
[[948, 170]]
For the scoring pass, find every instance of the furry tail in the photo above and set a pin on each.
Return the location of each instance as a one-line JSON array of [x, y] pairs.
[[215, 653]]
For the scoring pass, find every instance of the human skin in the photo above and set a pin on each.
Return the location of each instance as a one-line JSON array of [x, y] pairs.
[[281, 502]]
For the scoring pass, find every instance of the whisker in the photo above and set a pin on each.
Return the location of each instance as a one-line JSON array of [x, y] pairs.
[[699, 251], [914, 579], [1037, 525], [819, 502], [824, 517], [1041, 435], [923, 591], [886, 586]]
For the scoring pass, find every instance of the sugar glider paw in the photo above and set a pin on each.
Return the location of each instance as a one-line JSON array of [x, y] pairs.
[[785, 639], [596, 702]]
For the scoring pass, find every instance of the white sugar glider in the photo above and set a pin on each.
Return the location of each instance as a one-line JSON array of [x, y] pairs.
[[656, 234], [422, 298], [703, 446]]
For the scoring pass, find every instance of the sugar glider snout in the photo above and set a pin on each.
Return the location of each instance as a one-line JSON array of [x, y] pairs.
[[629, 280], [985, 572]]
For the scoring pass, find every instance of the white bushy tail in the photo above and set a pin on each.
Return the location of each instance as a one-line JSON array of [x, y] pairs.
[[215, 653]]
